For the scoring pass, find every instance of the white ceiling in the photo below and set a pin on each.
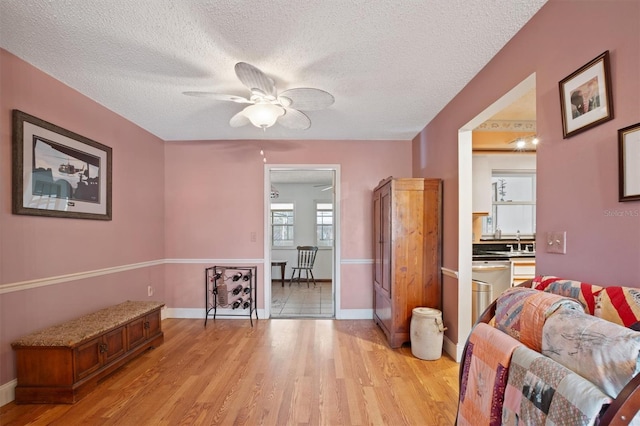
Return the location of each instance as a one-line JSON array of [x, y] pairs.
[[391, 65]]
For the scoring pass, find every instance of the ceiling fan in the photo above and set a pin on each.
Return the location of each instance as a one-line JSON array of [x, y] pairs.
[[267, 106], [325, 187]]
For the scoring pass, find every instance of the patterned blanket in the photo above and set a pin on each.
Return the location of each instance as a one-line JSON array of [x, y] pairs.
[[602, 352], [540, 391], [584, 292], [522, 312], [484, 376], [620, 305]]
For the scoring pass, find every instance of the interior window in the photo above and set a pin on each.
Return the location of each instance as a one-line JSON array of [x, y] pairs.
[[514, 204], [324, 224], [282, 224]]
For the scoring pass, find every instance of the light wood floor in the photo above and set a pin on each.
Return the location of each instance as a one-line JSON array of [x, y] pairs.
[[280, 372]]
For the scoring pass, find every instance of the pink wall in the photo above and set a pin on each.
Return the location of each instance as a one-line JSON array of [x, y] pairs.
[[215, 199], [33, 248], [194, 201], [185, 202], [577, 177]]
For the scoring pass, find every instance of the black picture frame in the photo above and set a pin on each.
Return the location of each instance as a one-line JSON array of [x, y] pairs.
[[585, 96], [629, 163], [58, 173]]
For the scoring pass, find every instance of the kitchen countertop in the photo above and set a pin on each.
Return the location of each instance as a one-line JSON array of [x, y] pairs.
[[511, 256], [523, 241], [499, 250]]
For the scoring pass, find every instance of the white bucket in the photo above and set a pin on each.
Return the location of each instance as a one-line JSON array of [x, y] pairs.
[[427, 333]]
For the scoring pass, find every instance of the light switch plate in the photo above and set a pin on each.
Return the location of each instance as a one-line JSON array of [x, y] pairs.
[[557, 242]]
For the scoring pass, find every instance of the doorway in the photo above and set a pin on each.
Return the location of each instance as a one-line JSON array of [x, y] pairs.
[[302, 209], [465, 207]]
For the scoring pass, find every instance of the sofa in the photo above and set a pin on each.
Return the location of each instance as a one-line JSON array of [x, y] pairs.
[[554, 351]]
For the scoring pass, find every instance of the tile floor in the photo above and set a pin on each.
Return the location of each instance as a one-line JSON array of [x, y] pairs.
[[298, 301]]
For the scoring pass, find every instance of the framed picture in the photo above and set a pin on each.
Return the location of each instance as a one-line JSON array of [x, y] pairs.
[[57, 172], [585, 97], [629, 163]]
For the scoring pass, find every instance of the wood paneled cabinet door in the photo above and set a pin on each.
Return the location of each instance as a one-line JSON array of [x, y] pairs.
[[142, 329], [91, 355], [407, 247]]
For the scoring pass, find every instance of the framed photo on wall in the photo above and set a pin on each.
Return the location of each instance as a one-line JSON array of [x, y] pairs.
[[585, 96], [629, 163], [57, 172]]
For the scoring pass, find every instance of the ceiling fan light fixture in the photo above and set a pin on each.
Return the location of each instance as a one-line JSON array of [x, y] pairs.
[[274, 192], [284, 101], [525, 143], [263, 115], [267, 106]]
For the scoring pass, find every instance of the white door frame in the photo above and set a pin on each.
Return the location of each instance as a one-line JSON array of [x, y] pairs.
[[465, 187], [335, 261]]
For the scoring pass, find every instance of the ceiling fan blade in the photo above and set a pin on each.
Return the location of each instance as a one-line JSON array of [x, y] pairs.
[[294, 119], [253, 78], [326, 187], [239, 120], [308, 99], [219, 97]]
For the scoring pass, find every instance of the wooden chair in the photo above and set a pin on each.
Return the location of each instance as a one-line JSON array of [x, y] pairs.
[[306, 258]]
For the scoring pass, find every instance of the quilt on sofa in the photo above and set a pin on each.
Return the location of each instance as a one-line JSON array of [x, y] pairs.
[[604, 353], [523, 306], [553, 364], [484, 376], [617, 304], [541, 391]]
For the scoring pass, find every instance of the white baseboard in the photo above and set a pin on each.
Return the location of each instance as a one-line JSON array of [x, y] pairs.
[[354, 314], [452, 349], [182, 313], [198, 313], [344, 314], [8, 392]]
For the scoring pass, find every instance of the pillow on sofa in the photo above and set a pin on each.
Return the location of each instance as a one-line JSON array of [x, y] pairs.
[[583, 292], [620, 305]]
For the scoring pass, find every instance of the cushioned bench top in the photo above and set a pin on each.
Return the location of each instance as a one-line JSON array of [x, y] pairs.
[[72, 332]]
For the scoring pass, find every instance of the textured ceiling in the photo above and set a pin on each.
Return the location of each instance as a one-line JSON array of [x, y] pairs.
[[391, 65]]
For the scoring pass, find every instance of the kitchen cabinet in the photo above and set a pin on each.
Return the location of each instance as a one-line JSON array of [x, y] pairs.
[[523, 270], [482, 197], [407, 252]]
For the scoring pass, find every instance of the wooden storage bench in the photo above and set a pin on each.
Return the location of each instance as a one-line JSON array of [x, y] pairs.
[[61, 364]]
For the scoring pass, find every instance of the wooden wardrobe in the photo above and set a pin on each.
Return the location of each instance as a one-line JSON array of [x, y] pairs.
[[407, 252]]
